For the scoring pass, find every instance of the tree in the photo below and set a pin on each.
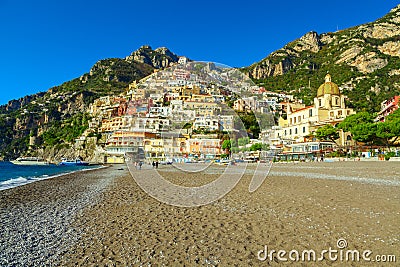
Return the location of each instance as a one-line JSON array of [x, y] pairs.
[[256, 146], [384, 131], [187, 125], [226, 145], [394, 116], [234, 143], [243, 141], [388, 131], [250, 123], [364, 132], [353, 120], [327, 132]]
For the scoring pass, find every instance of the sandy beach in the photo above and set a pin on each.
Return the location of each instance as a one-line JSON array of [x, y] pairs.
[[103, 218]]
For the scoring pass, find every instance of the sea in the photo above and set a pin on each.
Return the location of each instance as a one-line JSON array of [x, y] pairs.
[[12, 175]]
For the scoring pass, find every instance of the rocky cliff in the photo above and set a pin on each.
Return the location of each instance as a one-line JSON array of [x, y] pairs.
[[162, 57]]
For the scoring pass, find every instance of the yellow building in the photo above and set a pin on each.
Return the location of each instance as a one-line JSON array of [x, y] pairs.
[[186, 92], [203, 108], [154, 148], [121, 143], [137, 93], [246, 104], [329, 108], [202, 98], [118, 123], [112, 124]]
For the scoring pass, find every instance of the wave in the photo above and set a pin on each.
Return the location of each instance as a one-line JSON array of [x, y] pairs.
[[14, 182]]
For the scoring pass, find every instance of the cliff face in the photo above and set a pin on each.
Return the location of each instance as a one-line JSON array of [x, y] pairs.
[[282, 61], [268, 68], [159, 58], [92, 152], [17, 104], [363, 47], [363, 58]]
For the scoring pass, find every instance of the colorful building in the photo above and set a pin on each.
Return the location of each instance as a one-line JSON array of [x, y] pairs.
[[203, 148], [121, 143], [388, 107]]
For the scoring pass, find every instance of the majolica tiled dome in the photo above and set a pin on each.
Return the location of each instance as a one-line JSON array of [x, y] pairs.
[[328, 87]]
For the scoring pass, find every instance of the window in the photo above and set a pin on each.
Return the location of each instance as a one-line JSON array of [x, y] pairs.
[[304, 129], [337, 101], [295, 130], [320, 102], [290, 131], [310, 113]]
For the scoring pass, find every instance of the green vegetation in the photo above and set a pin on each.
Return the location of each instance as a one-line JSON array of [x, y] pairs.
[[109, 76], [243, 141], [257, 147], [65, 132], [249, 121], [327, 132], [226, 145], [365, 130]]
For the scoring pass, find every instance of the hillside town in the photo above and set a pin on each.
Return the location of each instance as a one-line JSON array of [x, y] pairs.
[[186, 112]]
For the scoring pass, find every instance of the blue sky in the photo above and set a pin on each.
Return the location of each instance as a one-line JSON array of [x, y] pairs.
[[45, 43]]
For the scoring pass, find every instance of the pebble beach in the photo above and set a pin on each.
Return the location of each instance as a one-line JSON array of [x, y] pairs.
[[103, 218]]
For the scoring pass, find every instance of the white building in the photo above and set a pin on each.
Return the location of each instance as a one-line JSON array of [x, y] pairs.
[[159, 111], [329, 108], [206, 123], [182, 60]]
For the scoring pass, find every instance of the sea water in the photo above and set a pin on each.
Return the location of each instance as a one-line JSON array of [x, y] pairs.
[[12, 175]]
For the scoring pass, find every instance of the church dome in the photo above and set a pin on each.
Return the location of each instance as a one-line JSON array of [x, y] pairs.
[[328, 87]]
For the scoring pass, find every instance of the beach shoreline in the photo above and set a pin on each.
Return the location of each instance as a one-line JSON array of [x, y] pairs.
[[20, 181], [36, 217], [112, 221]]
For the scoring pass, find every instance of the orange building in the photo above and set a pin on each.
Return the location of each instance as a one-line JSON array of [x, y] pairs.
[[203, 147]]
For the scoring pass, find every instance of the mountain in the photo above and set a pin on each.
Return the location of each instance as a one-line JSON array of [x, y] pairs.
[[62, 106], [363, 60]]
